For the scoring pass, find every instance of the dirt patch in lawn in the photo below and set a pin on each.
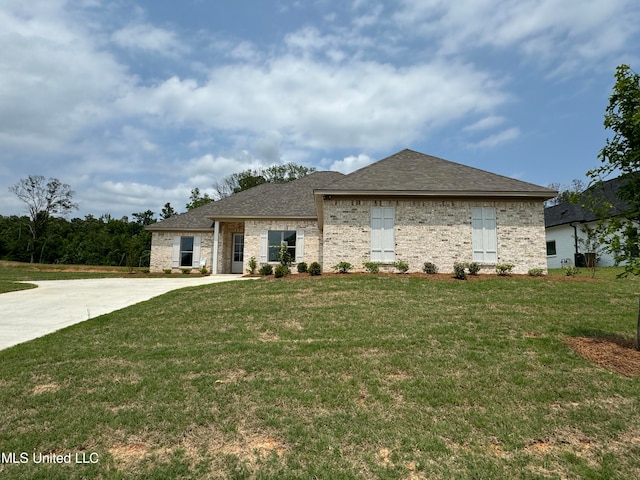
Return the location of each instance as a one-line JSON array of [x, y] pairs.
[[613, 353]]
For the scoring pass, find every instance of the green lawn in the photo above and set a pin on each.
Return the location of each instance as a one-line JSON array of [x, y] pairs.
[[332, 378]]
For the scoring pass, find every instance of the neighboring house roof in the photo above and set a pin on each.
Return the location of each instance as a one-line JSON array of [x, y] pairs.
[[268, 200], [416, 174], [569, 212]]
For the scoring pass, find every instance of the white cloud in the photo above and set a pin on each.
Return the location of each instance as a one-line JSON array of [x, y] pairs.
[[485, 123], [351, 163], [360, 104], [498, 138], [148, 38], [547, 30]]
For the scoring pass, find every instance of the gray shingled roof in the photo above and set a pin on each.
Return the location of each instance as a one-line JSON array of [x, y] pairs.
[[269, 200], [413, 173], [405, 173], [568, 212]]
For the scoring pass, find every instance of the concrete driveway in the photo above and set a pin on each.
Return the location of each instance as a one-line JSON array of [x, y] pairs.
[[55, 304]]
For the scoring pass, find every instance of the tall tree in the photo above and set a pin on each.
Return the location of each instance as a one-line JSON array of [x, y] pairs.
[[566, 193], [167, 211], [237, 182], [43, 199], [621, 154], [197, 200], [144, 218]]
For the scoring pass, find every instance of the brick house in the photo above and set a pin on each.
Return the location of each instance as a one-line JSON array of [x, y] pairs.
[[409, 206]]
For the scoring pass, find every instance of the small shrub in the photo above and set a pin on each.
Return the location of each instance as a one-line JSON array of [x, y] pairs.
[[253, 265], [203, 270], [459, 271], [186, 271], [504, 269], [281, 271], [372, 267], [302, 267], [536, 272], [284, 255], [401, 266], [315, 269], [429, 268], [166, 271], [571, 270], [474, 268], [343, 267], [266, 269]]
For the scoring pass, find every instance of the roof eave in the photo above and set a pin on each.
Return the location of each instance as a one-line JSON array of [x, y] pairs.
[[542, 194], [260, 217]]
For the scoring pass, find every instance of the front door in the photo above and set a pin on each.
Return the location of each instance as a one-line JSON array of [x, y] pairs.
[[237, 259]]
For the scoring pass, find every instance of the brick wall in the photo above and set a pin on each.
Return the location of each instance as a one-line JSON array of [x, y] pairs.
[[438, 231], [162, 249], [312, 238]]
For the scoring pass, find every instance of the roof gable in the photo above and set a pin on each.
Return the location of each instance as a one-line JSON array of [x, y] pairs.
[[413, 173]]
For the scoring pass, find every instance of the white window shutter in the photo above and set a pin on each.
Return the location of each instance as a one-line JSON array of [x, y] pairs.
[[382, 238], [175, 258], [484, 235], [196, 252], [299, 246], [264, 246], [491, 237]]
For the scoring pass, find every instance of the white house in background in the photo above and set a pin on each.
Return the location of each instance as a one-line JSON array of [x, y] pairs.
[[564, 229]]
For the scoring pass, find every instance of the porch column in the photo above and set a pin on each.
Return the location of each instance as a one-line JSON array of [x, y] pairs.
[[216, 244]]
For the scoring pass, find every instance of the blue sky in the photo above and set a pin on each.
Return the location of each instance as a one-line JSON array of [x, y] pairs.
[[134, 103]]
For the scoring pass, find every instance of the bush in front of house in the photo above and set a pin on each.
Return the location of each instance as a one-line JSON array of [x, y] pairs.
[[372, 267], [281, 271], [429, 268], [342, 267], [302, 267], [266, 269], [253, 265], [186, 271], [401, 266], [315, 269], [536, 272], [459, 271], [504, 269], [474, 268]]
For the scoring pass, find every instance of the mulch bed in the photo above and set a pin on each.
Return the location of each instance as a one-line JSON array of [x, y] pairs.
[[613, 353]]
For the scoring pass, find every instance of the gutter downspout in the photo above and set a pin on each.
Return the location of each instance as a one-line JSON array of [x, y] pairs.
[[575, 236]]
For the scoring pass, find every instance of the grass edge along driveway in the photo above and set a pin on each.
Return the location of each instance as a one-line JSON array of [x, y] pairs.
[[336, 377]]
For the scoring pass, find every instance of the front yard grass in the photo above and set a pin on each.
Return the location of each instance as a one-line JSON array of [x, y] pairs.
[[333, 377]]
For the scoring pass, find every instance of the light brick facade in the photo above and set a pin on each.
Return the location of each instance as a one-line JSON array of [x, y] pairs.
[[312, 238], [437, 231], [162, 249]]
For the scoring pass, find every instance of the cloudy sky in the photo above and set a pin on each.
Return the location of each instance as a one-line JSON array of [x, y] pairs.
[[135, 102]]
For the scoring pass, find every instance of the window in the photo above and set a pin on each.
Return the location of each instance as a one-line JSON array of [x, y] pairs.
[[276, 239], [186, 252], [551, 248], [382, 239], [484, 239]]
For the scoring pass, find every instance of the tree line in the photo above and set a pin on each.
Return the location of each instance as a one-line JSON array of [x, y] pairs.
[[46, 236]]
